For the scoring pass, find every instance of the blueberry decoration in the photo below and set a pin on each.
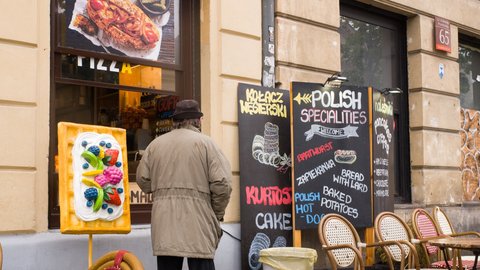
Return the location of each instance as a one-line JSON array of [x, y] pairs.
[[102, 143], [104, 206], [110, 210], [84, 143], [94, 150], [89, 203], [108, 145], [120, 190], [85, 165], [118, 164], [91, 193]]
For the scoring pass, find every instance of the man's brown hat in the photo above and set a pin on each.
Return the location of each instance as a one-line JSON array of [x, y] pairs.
[[187, 109]]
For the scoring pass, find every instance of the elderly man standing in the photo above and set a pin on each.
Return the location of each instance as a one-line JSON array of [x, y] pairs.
[[190, 179]]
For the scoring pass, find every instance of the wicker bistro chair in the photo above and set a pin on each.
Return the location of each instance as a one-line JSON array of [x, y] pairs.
[[341, 242], [390, 227], [426, 229], [445, 227]]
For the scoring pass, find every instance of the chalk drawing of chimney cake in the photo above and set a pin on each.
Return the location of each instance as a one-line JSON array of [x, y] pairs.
[[259, 242], [266, 149], [271, 139]]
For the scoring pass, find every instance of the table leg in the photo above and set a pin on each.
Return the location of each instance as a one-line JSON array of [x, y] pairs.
[[445, 257], [476, 253]]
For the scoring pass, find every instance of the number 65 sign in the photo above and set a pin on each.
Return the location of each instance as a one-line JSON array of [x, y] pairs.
[[442, 35]]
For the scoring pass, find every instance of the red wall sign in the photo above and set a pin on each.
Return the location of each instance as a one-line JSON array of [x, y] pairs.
[[442, 35]]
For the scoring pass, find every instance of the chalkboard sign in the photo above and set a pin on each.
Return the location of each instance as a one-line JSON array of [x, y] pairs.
[[383, 135], [265, 171], [330, 154]]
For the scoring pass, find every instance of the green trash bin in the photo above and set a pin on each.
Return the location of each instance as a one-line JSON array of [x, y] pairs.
[[288, 258]]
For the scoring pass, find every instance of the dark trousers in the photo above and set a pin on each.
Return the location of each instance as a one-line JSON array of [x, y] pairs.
[[176, 263]]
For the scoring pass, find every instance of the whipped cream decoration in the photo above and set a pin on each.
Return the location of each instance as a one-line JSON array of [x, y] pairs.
[[98, 184]]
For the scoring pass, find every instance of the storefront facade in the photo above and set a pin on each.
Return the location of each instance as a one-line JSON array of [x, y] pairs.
[[216, 45]]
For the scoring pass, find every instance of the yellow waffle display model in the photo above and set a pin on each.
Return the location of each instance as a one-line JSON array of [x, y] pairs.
[[93, 179]]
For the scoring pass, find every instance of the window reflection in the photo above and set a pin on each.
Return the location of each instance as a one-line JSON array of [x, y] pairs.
[[144, 115], [116, 73], [469, 60], [367, 53]]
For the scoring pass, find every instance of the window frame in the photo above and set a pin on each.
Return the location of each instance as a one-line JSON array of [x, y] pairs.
[[187, 85], [397, 23]]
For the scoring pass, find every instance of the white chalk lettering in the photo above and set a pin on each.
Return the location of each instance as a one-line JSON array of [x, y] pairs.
[[381, 193], [337, 99], [353, 175], [339, 207], [385, 108], [336, 194], [341, 180], [381, 183], [275, 221], [333, 116], [314, 173]]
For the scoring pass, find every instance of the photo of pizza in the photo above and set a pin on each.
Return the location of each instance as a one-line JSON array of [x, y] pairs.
[[132, 27]]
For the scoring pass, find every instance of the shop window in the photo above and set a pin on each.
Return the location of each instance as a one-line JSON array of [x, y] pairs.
[[469, 60], [109, 79], [373, 53]]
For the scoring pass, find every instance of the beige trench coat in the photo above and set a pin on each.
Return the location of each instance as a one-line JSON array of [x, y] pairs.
[[190, 179]]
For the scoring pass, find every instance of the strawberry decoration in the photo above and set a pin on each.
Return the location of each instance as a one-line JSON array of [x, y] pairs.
[[111, 156], [111, 196]]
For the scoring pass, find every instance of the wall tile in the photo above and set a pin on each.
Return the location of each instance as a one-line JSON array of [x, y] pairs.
[[232, 213], [241, 57], [242, 16], [286, 75], [17, 201], [230, 145], [17, 137], [19, 64], [19, 20], [434, 110], [433, 148], [229, 99], [429, 186], [423, 72], [321, 11], [319, 47]]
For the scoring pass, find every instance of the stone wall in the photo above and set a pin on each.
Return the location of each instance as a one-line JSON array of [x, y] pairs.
[[24, 110]]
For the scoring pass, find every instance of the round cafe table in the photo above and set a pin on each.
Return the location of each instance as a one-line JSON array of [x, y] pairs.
[[472, 244]]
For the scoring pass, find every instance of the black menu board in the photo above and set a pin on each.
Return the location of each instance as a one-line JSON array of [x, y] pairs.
[[330, 154], [265, 171], [383, 136]]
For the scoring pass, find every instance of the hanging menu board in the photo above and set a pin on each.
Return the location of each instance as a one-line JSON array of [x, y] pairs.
[[383, 129], [330, 154], [265, 171]]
